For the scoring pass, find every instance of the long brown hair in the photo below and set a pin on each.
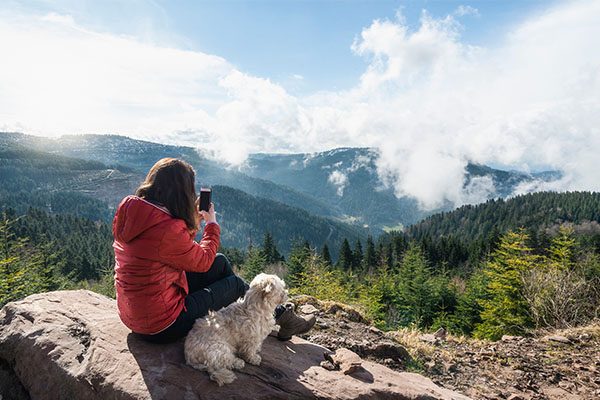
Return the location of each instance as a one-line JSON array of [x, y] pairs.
[[171, 183]]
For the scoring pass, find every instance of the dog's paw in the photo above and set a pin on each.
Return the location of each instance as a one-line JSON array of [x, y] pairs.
[[238, 363], [254, 359], [222, 376], [199, 366]]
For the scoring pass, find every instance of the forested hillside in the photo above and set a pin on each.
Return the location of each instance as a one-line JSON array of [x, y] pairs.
[[243, 216], [533, 211], [41, 252], [348, 178], [66, 185], [140, 155], [61, 185], [507, 283]]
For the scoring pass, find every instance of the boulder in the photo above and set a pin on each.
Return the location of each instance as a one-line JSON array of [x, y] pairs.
[[72, 345], [347, 361], [308, 309], [440, 334]]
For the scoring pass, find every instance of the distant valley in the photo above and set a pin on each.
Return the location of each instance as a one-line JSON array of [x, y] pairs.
[[342, 184]]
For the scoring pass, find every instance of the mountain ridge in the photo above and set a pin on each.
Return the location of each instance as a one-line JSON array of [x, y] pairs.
[[342, 183], [142, 155], [60, 184]]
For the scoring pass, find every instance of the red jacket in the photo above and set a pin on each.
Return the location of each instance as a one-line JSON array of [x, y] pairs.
[[152, 251]]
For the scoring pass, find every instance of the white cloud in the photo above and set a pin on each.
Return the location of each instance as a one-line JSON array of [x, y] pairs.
[[57, 78], [428, 101], [60, 19], [60, 78], [339, 179], [463, 10], [478, 190], [436, 103], [362, 161]]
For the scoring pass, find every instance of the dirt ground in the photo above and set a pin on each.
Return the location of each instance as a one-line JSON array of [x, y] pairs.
[[561, 365]]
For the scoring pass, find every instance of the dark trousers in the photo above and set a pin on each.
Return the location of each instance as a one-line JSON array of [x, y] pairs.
[[211, 290]]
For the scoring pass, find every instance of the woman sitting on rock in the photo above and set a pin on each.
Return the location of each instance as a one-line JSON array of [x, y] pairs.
[[164, 279]]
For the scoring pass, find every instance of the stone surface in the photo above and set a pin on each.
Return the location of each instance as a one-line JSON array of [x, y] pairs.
[[308, 309], [328, 365], [376, 330], [347, 361], [72, 345], [558, 338], [534, 368], [440, 334], [429, 337]]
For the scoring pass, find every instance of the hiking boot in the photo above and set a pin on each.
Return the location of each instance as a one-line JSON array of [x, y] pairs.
[[292, 324]]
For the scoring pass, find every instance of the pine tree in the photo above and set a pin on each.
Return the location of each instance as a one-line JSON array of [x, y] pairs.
[[562, 249], [372, 294], [319, 280], [269, 249], [415, 288], [506, 311], [296, 263], [254, 265], [370, 257], [325, 255], [345, 256], [357, 256], [385, 256], [13, 267], [399, 244], [560, 292], [41, 272], [468, 309]]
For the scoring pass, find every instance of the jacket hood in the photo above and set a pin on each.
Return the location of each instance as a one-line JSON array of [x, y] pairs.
[[135, 216]]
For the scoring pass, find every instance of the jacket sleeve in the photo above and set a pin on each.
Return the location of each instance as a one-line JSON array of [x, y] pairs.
[[178, 250]]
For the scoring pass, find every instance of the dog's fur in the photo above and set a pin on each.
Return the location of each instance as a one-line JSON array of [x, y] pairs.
[[226, 339]]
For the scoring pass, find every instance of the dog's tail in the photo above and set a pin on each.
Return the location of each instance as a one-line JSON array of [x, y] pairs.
[[222, 376]]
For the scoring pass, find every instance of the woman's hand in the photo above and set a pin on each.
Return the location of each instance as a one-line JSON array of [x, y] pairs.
[[209, 216], [199, 216]]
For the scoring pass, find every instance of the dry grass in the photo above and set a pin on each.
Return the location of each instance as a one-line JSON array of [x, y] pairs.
[[410, 339], [592, 329], [353, 313]]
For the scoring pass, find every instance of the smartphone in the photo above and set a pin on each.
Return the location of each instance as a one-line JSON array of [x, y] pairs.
[[205, 198]]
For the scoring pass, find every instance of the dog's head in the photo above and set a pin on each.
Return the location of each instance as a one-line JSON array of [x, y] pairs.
[[268, 289]]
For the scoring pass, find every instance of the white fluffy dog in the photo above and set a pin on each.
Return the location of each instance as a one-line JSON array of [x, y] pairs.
[[223, 340]]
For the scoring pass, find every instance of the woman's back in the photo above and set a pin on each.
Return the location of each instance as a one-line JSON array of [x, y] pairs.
[[152, 249]]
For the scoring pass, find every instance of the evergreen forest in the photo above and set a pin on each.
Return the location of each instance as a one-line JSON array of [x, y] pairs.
[[510, 279], [505, 266]]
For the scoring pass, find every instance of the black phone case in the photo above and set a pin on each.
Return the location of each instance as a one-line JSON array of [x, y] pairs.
[[205, 199]]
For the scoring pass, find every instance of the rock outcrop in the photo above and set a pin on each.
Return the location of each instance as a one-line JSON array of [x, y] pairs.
[[561, 366], [72, 345]]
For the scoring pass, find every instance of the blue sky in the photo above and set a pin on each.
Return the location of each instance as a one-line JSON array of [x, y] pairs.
[[429, 85], [303, 45], [313, 39]]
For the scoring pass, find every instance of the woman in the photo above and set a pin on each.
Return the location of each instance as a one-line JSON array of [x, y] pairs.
[[164, 279]]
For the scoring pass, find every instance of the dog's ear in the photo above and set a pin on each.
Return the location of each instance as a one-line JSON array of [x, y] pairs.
[[268, 288]]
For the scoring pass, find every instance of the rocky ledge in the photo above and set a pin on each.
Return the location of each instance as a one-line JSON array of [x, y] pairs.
[[549, 365], [72, 345]]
